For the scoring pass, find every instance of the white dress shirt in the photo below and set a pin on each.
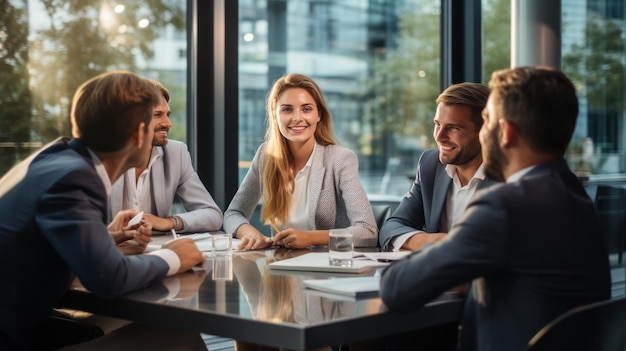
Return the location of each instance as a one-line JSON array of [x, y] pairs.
[[457, 199]]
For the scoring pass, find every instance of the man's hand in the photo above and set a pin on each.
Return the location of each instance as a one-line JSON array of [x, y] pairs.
[[158, 223], [136, 236], [135, 241], [420, 240], [187, 252], [119, 223]]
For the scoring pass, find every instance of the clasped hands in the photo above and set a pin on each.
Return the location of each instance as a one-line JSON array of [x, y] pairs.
[[131, 239], [252, 239]]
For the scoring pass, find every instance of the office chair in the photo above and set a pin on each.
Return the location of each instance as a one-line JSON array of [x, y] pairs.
[[256, 222], [610, 202], [381, 213], [599, 326]]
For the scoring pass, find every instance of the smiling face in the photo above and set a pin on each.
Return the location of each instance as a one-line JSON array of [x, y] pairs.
[[162, 123], [456, 134], [297, 116]]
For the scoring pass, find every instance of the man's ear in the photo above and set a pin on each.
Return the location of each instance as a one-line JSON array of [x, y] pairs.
[[508, 134], [139, 134]]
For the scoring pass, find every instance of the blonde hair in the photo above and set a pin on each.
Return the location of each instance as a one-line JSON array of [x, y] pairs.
[[278, 181]]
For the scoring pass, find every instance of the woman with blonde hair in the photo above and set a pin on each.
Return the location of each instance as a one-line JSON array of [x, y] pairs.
[[306, 182]]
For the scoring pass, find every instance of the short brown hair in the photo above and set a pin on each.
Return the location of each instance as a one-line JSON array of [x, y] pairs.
[[164, 91], [474, 95], [107, 108], [540, 102]]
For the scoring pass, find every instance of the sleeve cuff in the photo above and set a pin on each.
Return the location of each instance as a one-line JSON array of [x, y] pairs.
[[170, 258]]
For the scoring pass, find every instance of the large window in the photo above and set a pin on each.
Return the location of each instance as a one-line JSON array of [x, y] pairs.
[[47, 51], [377, 62], [594, 56]]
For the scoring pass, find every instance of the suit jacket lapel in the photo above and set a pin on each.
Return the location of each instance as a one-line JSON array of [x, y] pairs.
[[315, 182], [157, 179], [442, 184]]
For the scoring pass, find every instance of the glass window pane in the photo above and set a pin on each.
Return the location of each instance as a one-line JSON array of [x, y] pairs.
[[47, 51], [496, 36], [377, 62], [594, 56]]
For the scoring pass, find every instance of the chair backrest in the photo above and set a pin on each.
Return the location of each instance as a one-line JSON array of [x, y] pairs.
[[381, 213], [599, 326], [256, 222], [611, 205]]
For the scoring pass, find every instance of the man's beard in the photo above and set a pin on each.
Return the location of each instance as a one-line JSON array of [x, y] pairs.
[[493, 157], [465, 155], [159, 141]]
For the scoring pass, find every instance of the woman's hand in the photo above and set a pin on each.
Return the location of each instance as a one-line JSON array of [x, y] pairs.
[[294, 239], [251, 239]]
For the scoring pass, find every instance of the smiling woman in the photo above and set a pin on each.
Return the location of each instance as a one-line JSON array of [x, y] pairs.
[[307, 183]]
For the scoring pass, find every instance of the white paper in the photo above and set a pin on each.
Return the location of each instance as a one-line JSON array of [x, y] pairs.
[[353, 286], [381, 256]]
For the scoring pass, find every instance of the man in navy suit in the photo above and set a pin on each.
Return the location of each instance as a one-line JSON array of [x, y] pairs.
[[54, 210], [533, 245], [445, 180], [446, 177]]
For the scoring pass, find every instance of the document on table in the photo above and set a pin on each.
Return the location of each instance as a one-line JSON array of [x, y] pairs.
[[351, 286], [381, 256], [202, 240], [318, 262]]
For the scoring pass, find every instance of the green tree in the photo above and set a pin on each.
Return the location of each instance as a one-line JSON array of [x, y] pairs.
[[496, 36], [84, 38], [15, 97], [399, 95], [597, 65]]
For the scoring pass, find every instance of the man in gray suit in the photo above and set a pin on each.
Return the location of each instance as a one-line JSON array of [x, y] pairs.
[[446, 177], [167, 175], [533, 246]]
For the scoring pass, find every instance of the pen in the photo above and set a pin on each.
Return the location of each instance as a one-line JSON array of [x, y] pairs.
[[174, 234]]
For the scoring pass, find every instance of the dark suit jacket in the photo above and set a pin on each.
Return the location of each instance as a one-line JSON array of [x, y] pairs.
[[53, 227], [422, 206], [536, 243]]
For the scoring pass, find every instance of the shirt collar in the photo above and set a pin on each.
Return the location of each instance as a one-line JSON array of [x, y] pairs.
[[479, 174], [101, 171], [519, 174]]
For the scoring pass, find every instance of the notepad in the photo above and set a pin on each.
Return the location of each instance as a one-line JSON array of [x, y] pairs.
[[318, 262], [352, 286], [381, 256]]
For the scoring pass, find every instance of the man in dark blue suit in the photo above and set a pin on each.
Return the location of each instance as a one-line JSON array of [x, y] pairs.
[[446, 177], [53, 210], [533, 245]]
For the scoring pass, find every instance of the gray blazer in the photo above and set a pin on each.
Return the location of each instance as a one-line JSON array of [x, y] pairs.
[[172, 176], [422, 206], [336, 196]]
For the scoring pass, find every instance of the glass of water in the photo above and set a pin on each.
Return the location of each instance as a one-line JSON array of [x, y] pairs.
[[340, 248]]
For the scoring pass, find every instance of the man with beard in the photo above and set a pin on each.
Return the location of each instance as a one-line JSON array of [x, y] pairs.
[[446, 177], [168, 175], [54, 226], [533, 245]]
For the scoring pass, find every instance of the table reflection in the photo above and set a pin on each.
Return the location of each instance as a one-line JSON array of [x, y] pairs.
[[242, 299], [278, 296]]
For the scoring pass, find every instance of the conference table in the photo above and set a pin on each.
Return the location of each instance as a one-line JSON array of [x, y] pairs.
[[240, 297]]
